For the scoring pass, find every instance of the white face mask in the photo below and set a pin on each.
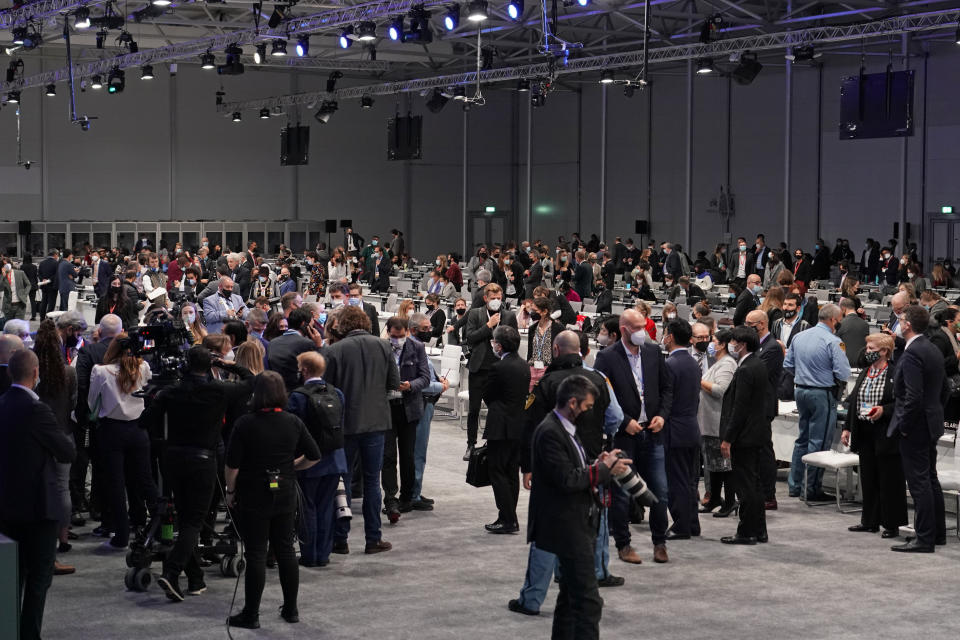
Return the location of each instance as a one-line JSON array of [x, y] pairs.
[[230, 357], [438, 262], [638, 338], [671, 316], [496, 351], [188, 318], [603, 339], [733, 351], [398, 341], [494, 305], [337, 303]]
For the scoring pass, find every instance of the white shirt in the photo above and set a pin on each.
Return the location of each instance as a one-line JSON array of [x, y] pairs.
[[910, 341], [743, 359], [114, 403], [571, 430], [636, 366], [742, 265], [14, 298], [33, 394]]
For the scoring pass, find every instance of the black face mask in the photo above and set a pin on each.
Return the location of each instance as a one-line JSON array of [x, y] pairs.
[[535, 316], [460, 312], [226, 293], [115, 289], [424, 336], [71, 341], [701, 346], [789, 314]]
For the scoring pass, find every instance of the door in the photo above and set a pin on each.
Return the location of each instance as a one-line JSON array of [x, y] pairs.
[[942, 239], [488, 228]]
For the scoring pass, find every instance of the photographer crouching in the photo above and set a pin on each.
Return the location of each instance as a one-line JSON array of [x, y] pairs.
[[194, 408]]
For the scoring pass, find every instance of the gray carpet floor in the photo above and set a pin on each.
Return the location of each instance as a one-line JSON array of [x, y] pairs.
[[447, 578]]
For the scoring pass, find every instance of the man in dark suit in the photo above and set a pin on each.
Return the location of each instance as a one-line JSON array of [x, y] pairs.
[[870, 261], [747, 301], [853, 331], [771, 355], [564, 513], [379, 270], [920, 392], [741, 262], [638, 373], [47, 273], [693, 292], [749, 406], [505, 395], [9, 345], [583, 276], [100, 275], [31, 270], [356, 300], [31, 442], [618, 253], [406, 409], [284, 349], [631, 257], [481, 321], [66, 278], [681, 434], [352, 242], [671, 265]]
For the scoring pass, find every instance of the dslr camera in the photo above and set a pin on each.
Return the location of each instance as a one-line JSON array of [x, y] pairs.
[[634, 486]]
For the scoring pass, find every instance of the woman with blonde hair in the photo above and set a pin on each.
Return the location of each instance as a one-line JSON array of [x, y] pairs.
[[403, 312], [192, 323], [250, 354], [773, 304]]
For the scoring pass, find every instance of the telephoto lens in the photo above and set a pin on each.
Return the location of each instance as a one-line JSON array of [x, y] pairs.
[[631, 482], [343, 509]]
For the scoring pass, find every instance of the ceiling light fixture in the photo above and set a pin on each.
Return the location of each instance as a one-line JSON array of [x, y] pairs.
[[146, 73], [81, 18], [13, 97], [366, 102], [116, 80], [160, 3], [747, 70], [367, 31], [437, 101], [515, 9], [303, 46], [96, 81], [523, 84], [326, 111], [704, 65], [265, 113], [477, 11], [261, 53], [346, 37], [237, 116], [278, 48], [451, 19], [606, 77], [395, 30], [208, 61], [51, 90]]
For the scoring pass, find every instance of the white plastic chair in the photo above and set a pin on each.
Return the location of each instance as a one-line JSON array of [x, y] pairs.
[[838, 458]]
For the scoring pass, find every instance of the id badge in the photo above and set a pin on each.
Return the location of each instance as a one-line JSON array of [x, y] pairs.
[[538, 364]]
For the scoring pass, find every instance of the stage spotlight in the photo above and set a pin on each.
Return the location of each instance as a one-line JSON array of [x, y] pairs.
[[146, 73], [116, 81], [265, 114], [160, 3], [303, 46], [395, 30], [583, 3], [437, 101], [261, 53], [332, 80], [346, 37], [126, 40], [207, 61], [523, 84], [451, 19], [803, 53], [233, 65], [366, 102], [278, 48], [419, 27], [81, 18], [958, 34], [515, 9], [704, 65], [477, 11], [51, 90], [460, 93], [19, 35], [747, 70], [367, 31], [13, 97], [96, 81], [237, 116], [606, 77], [326, 110]]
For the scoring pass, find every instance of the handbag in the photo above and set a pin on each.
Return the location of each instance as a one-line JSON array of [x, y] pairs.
[[478, 473]]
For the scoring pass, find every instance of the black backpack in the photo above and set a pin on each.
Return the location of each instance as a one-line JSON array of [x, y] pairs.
[[324, 413]]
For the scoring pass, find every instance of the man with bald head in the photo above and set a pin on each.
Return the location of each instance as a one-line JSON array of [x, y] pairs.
[[771, 354], [226, 305], [899, 302], [748, 300], [638, 373], [9, 344]]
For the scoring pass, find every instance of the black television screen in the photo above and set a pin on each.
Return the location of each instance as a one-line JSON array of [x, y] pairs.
[[877, 105]]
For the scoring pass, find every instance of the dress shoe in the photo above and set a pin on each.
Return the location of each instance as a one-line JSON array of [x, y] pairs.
[[660, 554], [378, 547], [912, 547], [101, 532], [516, 607], [77, 520], [820, 496], [244, 621], [857, 528], [393, 513], [794, 494], [610, 581], [289, 614], [196, 588], [738, 540], [770, 505], [341, 547], [171, 587], [109, 547], [420, 505], [63, 569], [63, 547], [940, 542], [309, 564], [763, 539], [466, 456], [426, 500], [500, 527], [628, 554], [725, 511], [677, 536], [890, 533], [406, 507]]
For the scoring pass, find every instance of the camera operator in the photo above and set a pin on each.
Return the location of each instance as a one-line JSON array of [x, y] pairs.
[[194, 407]]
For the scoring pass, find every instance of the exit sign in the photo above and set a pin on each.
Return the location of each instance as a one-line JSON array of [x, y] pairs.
[[491, 209], [946, 209]]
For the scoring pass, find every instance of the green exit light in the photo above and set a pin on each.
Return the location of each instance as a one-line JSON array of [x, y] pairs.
[[943, 209], [491, 209]]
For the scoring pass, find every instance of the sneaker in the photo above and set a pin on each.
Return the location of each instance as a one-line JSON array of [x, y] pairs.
[[171, 587], [196, 588]]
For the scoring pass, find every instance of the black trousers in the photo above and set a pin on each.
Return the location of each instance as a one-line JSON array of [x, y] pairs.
[[78, 470], [882, 481], [36, 551], [402, 437], [579, 605], [920, 469], [126, 448], [768, 472], [34, 305], [190, 479], [683, 476], [719, 479], [259, 527], [747, 480], [503, 463], [477, 385], [47, 300]]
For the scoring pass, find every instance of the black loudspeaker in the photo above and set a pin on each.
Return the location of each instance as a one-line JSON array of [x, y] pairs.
[[642, 227], [896, 231], [331, 226], [346, 224], [404, 138], [23, 227], [294, 146]]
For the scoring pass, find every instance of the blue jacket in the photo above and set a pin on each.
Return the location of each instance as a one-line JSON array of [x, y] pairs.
[[682, 428], [415, 370], [66, 276], [330, 463]]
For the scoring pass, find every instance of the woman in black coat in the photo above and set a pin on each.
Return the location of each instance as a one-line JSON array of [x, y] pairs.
[[117, 302], [869, 409]]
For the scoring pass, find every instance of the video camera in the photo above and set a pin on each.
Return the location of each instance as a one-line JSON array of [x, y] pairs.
[[161, 345]]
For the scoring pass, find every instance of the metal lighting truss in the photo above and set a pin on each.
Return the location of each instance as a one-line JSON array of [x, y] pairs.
[[765, 42], [42, 9], [323, 21]]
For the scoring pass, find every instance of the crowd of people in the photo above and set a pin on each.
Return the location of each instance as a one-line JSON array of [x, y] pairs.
[[278, 396]]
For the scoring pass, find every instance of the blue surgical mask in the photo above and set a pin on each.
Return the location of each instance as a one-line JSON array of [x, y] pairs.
[[712, 350], [375, 242]]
